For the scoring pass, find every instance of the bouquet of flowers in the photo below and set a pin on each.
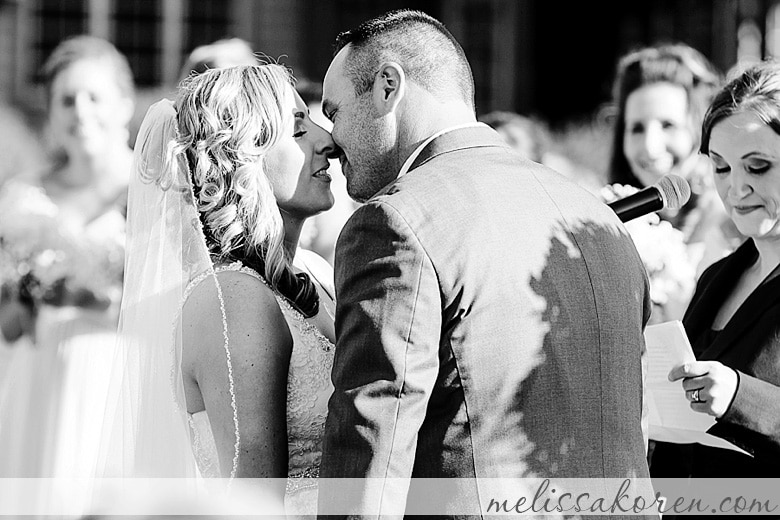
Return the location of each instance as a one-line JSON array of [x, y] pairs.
[[662, 248], [44, 261]]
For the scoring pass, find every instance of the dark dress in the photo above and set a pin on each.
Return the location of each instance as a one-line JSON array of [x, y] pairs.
[[750, 344]]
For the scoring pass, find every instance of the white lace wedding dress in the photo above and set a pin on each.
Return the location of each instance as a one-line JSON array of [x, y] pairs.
[[308, 389]]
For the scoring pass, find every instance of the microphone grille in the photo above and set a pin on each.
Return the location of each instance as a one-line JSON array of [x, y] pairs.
[[674, 190]]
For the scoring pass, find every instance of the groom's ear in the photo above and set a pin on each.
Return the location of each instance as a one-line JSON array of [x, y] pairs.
[[389, 87]]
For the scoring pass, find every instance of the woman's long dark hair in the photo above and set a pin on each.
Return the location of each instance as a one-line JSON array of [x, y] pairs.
[[677, 64]]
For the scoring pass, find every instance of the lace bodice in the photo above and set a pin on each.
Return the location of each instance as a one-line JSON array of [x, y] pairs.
[[308, 390]]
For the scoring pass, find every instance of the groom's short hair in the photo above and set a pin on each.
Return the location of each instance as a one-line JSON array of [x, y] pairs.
[[429, 55]]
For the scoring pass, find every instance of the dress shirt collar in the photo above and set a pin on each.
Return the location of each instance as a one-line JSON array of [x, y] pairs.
[[408, 163]]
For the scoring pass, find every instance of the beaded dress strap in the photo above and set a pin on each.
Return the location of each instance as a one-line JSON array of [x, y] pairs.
[[305, 326], [299, 318], [235, 266]]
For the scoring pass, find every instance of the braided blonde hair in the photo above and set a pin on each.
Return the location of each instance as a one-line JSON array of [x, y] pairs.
[[228, 120]]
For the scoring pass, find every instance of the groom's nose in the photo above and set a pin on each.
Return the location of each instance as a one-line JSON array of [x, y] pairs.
[[336, 152]]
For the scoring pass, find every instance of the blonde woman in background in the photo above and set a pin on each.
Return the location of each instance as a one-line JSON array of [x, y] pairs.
[[53, 398]]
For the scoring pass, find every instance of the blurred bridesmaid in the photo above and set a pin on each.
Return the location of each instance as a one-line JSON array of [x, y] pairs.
[[661, 94], [53, 398]]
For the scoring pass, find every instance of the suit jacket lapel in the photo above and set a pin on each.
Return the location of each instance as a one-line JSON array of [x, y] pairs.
[[469, 137]]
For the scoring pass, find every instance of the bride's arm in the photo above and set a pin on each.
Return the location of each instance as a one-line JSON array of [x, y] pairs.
[[260, 346]]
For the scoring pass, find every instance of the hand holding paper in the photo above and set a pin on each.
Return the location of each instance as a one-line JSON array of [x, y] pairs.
[[671, 417], [716, 383]]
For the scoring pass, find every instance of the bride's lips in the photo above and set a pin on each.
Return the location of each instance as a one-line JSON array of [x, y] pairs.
[[322, 174]]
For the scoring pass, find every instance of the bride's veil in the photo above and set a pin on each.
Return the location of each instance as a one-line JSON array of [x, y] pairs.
[[146, 431]]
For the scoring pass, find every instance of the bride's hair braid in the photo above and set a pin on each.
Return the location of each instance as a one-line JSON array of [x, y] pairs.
[[228, 121]]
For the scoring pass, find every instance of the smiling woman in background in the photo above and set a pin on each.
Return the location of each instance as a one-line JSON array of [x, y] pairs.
[[52, 402], [733, 321], [661, 94]]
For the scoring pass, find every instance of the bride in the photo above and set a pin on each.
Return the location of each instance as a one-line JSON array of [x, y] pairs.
[[226, 328]]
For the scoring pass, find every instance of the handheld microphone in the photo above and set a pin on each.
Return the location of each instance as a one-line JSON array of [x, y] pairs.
[[671, 192]]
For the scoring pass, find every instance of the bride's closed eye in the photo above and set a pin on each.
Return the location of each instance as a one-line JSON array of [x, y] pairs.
[[299, 130]]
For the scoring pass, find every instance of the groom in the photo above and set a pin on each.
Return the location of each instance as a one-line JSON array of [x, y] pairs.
[[490, 312]]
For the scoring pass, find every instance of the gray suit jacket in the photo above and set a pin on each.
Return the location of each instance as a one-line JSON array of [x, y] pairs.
[[489, 324]]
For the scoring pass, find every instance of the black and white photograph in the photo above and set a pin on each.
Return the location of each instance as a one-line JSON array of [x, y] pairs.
[[389, 258]]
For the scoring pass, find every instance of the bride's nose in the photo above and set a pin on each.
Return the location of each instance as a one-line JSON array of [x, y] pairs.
[[324, 143]]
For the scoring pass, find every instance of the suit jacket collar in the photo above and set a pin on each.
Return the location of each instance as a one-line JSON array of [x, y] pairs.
[[459, 139], [717, 286]]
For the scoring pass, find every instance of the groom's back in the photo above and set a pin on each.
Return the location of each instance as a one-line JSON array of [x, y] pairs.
[[543, 302], [489, 324]]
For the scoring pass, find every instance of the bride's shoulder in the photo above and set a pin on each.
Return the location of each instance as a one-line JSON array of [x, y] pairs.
[[229, 282], [252, 315]]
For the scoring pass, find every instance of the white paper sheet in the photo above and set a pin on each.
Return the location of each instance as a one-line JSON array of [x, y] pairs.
[[671, 417]]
